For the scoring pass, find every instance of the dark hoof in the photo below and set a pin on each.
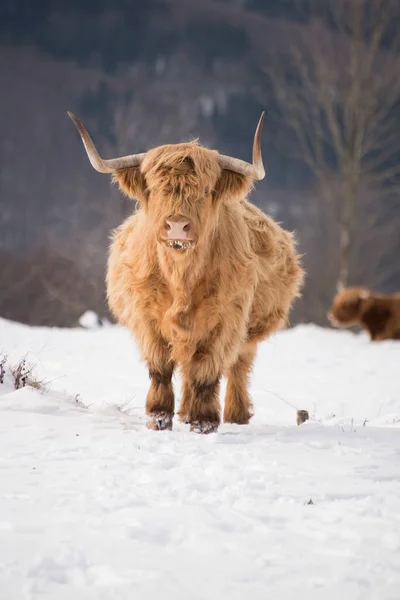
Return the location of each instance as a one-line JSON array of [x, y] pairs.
[[204, 427], [160, 421]]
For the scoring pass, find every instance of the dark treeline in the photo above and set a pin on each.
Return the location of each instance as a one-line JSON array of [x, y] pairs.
[[141, 74]]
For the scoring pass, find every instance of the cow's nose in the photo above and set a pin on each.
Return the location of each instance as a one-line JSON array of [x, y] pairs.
[[177, 230]]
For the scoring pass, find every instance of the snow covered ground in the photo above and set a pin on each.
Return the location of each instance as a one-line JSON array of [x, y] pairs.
[[95, 506]]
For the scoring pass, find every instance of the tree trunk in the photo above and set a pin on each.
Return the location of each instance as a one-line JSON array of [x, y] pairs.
[[344, 255], [346, 220]]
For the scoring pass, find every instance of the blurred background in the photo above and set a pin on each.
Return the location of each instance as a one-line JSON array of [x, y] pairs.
[[140, 73]]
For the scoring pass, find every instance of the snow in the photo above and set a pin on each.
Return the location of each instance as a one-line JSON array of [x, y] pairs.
[[95, 506], [90, 320]]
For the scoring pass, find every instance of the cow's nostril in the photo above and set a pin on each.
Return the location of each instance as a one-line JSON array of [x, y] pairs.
[[177, 229]]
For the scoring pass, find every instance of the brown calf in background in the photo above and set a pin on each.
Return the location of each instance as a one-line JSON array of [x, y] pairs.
[[379, 315]]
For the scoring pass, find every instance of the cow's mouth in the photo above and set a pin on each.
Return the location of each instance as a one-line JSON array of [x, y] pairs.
[[335, 323], [180, 244], [338, 323]]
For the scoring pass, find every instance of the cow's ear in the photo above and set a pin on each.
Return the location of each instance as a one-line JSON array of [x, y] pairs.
[[232, 185], [355, 304], [132, 183], [364, 294]]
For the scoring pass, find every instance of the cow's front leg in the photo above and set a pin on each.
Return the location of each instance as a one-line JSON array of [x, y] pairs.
[[201, 379], [212, 357], [160, 399]]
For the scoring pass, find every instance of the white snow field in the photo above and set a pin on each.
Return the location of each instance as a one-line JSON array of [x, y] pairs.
[[95, 506]]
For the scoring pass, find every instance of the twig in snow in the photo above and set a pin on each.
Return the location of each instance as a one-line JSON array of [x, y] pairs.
[[78, 402], [302, 415]]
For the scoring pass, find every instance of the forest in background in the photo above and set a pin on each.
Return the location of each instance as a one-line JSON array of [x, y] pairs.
[[140, 74]]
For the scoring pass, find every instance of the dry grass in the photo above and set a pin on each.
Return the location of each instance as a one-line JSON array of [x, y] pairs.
[[23, 375], [3, 362]]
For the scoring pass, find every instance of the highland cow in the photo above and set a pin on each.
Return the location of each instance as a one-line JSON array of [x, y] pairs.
[[379, 315], [198, 275]]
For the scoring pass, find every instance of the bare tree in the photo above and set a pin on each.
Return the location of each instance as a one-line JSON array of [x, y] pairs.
[[337, 85], [169, 103]]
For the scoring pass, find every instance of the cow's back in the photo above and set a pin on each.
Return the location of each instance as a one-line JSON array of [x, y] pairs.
[[274, 246], [279, 272]]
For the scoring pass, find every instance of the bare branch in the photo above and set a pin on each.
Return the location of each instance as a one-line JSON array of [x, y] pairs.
[[338, 88]]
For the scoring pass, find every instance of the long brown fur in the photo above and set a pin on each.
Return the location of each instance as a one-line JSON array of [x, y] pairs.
[[379, 315], [207, 308]]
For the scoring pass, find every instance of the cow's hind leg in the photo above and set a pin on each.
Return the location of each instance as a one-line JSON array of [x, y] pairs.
[[160, 401], [201, 383], [238, 405]]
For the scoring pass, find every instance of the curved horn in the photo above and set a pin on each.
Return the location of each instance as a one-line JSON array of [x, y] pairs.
[[255, 170], [101, 165]]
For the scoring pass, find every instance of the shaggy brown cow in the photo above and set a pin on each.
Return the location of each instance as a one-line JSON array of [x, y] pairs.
[[377, 314], [198, 274]]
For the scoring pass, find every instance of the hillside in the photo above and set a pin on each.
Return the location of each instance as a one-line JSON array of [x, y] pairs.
[[141, 74]]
